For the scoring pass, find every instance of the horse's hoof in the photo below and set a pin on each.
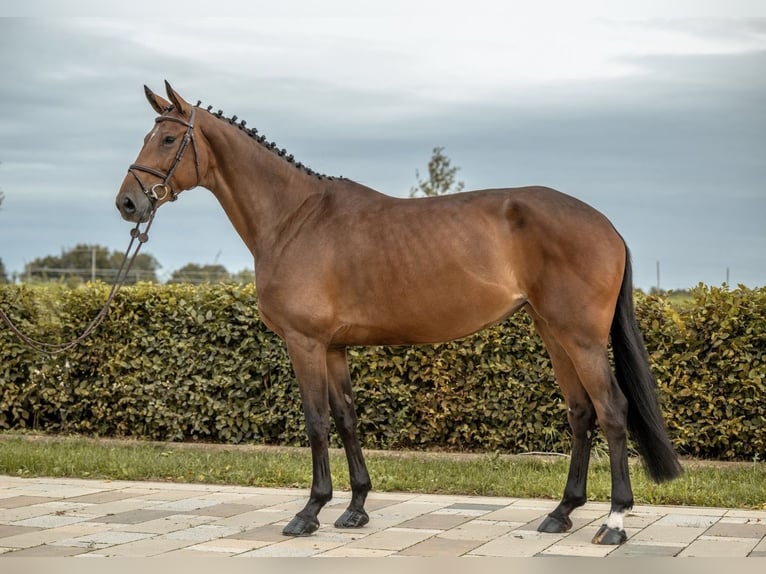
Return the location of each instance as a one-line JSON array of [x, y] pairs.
[[300, 527], [555, 525], [352, 519], [609, 536]]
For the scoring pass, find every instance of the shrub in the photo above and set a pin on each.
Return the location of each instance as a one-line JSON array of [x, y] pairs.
[[182, 362]]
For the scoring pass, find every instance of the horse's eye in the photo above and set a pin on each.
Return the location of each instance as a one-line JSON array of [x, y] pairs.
[[169, 140]]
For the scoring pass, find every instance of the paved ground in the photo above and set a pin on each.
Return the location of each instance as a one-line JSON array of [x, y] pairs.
[[62, 517]]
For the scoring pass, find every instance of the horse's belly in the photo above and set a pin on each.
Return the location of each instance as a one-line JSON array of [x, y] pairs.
[[427, 317]]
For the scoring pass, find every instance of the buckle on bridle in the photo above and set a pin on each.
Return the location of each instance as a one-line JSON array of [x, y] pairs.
[[152, 192]]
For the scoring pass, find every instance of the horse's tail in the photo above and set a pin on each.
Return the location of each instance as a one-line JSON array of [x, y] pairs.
[[631, 361]]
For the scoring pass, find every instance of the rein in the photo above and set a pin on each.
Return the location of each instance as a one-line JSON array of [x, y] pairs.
[[122, 274], [155, 197]]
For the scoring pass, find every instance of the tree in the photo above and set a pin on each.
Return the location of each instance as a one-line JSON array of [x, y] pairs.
[[86, 262], [441, 177], [196, 274]]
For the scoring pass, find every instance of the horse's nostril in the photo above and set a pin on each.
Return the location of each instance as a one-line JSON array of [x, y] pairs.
[[128, 205]]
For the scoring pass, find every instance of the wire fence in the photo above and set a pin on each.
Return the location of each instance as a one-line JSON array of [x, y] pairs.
[[83, 275]]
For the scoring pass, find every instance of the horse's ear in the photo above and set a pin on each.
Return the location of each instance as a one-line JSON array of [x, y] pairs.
[[182, 106], [160, 105]]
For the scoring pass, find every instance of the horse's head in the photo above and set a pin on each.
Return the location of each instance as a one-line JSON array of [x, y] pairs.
[[169, 163]]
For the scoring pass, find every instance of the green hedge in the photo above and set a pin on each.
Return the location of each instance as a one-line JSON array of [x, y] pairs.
[[181, 362]]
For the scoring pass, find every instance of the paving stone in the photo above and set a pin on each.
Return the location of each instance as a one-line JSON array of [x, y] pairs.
[[226, 509], [18, 501], [482, 530], [187, 504], [761, 546], [147, 547], [104, 497], [669, 534], [750, 514], [474, 506], [278, 551], [65, 506], [519, 543], [8, 531], [117, 507], [45, 551], [37, 537], [202, 533], [394, 538], [440, 548], [374, 504], [166, 525], [688, 510], [640, 520], [295, 547], [49, 521], [270, 533], [346, 552], [13, 515], [747, 530], [228, 546], [646, 551], [517, 514], [394, 515], [434, 521], [254, 518], [61, 489], [103, 539], [568, 550], [134, 516], [687, 521], [711, 546]]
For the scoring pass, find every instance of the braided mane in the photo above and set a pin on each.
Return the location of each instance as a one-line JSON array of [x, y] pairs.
[[271, 146]]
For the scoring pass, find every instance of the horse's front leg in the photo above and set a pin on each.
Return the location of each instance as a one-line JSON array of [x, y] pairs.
[[310, 363], [344, 414]]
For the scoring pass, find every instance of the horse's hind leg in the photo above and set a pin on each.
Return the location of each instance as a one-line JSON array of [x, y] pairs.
[[576, 342], [592, 365], [582, 418], [342, 407]]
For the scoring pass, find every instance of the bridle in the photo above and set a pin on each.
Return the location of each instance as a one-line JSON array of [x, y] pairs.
[[155, 197], [167, 191]]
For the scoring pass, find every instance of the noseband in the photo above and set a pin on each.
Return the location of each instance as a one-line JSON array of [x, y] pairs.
[[166, 189]]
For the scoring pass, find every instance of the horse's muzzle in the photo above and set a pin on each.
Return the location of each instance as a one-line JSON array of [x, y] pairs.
[[134, 207]]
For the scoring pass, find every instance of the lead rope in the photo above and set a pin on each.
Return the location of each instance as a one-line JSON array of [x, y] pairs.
[[122, 274]]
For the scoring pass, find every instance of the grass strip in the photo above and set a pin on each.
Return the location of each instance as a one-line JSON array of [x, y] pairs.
[[734, 485]]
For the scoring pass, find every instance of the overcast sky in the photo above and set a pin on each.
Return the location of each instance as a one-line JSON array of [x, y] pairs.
[[652, 112]]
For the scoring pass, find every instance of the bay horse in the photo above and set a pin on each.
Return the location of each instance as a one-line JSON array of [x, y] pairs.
[[339, 264]]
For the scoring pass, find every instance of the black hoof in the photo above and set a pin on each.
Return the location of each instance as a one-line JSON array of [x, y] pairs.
[[300, 527], [609, 536], [352, 519], [555, 525]]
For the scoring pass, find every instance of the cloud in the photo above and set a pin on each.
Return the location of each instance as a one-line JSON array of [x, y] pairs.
[[656, 121]]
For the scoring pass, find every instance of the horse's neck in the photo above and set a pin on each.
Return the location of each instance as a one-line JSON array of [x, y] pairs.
[[258, 190]]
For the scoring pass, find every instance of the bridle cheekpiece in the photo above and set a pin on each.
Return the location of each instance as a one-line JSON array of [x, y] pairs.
[[161, 191]]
